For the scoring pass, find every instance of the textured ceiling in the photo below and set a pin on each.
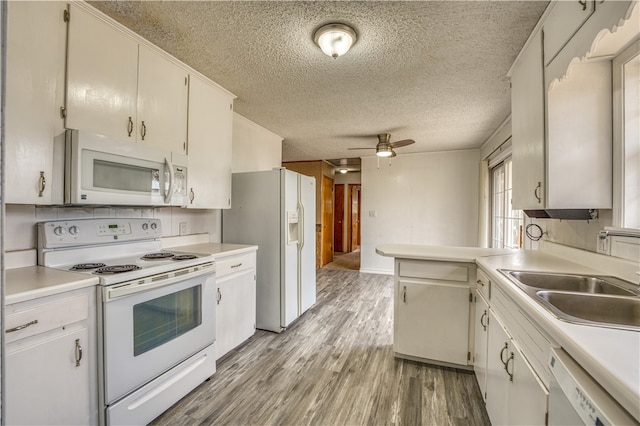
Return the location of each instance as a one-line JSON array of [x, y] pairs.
[[433, 71]]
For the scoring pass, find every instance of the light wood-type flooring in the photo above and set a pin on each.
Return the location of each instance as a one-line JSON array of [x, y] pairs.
[[334, 366]]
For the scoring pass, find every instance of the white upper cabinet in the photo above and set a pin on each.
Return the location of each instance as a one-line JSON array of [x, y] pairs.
[[162, 101], [36, 37], [120, 87], [102, 77], [528, 127], [563, 23], [209, 145]]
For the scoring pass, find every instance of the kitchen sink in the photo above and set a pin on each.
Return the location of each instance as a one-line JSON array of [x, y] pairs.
[[622, 312], [583, 299], [570, 282]]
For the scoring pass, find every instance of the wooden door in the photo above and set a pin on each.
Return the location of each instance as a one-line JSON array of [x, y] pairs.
[[327, 221], [338, 218], [354, 217]]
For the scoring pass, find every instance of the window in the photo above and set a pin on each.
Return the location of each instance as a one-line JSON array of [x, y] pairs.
[[506, 229], [626, 113]]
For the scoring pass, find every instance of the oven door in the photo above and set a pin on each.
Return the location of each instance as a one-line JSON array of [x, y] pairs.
[[153, 324]]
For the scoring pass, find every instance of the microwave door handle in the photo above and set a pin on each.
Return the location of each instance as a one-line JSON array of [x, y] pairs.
[[169, 192]]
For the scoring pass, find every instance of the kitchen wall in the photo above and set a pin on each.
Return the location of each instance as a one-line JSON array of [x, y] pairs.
[[254, 147], [428, 198], [20, 230], [581, 234]]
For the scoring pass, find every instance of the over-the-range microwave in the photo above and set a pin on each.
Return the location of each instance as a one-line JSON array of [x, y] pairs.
[[99, 170]]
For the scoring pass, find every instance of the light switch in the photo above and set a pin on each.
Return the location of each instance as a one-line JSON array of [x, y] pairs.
[[373, 213]]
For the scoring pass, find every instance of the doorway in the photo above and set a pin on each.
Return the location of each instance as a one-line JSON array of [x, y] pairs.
[[346, 235]]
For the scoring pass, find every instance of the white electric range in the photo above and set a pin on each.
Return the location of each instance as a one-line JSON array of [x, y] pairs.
[[156, 311]]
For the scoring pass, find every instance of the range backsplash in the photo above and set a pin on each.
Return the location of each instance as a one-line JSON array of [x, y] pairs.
[[20, 229]]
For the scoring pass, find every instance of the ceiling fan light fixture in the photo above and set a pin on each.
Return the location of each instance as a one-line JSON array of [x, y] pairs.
[[384, 151], [335, 39]]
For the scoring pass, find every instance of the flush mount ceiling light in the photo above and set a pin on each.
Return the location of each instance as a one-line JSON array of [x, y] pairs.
[[343, 171], [335, 39]]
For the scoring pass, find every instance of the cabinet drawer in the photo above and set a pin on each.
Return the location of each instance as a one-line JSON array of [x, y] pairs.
[[231, 264], [483, 284], [25, 319], [441, 271]]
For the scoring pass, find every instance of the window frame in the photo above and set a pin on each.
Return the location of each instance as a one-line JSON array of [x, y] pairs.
[[618, 131]]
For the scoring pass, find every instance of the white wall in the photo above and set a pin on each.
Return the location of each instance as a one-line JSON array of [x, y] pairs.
[[20, 230], [254, 147], [429, 198]]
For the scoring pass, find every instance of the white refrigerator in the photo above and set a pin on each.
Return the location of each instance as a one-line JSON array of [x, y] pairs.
[[276, 210]]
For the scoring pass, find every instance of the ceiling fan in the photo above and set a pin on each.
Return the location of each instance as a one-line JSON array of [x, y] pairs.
[[384, 148]]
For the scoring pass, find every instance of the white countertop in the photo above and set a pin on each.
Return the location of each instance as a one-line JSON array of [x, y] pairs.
[[443, 253], [32, 282], [610, 356], [218, 250]]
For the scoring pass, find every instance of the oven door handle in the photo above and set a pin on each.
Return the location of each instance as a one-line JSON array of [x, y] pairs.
[[117, 291]]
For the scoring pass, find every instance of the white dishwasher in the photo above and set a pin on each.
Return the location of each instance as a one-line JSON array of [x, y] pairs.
[[576, 399]]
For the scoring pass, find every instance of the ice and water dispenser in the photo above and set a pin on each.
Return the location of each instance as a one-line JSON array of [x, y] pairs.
[[292, 227]]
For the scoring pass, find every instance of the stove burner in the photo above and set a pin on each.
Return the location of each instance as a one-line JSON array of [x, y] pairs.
[[184, 257], [116, 269], [86, 266], [157, 256]]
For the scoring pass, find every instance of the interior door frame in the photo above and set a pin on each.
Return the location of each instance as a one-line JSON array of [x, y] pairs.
[[350, 237], [338, 218]]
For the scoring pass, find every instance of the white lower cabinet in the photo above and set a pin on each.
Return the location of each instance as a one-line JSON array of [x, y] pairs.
[[515, 394], [481, 336], [236, 309], [425, 293], [51, 360]]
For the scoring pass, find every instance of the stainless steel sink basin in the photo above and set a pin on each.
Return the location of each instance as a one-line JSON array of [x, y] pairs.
[[622, 312], [570, 282], [583, 299]]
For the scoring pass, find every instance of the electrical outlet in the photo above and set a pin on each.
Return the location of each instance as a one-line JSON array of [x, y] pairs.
[[183, 228]]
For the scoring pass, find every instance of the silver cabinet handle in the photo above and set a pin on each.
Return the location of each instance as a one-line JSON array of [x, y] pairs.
[[484, 326], [404, 294], [219, 297], [480, 282], [192, 195], [78, 352], [583, 3], [130, 126], [20, 327], [506, 367], [536, 192], [143, 130], [506, 346], [237, 266], [42, 183]]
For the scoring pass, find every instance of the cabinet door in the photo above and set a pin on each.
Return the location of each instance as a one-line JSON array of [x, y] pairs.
[[162, 102], [236, 310], [43, 383], [563, 22], [102, 77], [481, 325], [419, 328], [36, 37], [528, 128], [527, 395], [497, 394], [209, 146]]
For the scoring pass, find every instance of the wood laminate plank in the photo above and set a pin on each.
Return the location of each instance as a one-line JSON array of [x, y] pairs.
[[333, 366]]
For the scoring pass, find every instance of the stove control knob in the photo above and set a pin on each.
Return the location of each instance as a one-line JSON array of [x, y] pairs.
[[154, 225], [145, 226], [73, 230], [59, 230]]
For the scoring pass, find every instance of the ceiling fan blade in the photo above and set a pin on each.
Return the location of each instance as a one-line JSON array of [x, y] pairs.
[[360, 148], [401, 143]]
